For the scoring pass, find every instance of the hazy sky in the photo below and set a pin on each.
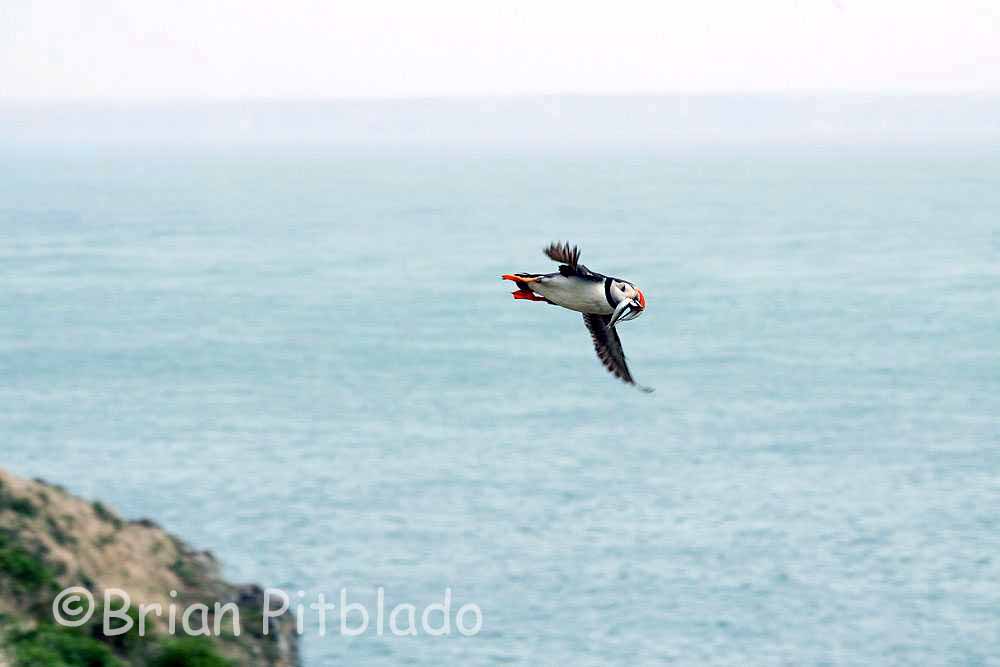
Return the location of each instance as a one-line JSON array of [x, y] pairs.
[[108, 49]]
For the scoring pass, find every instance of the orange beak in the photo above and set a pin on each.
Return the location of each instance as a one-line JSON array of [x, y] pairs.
[[642, 299]]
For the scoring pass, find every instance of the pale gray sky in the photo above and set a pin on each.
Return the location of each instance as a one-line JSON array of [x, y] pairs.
[[142, 49]]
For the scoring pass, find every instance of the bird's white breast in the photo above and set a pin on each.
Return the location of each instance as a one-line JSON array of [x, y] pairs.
[[584, 296]]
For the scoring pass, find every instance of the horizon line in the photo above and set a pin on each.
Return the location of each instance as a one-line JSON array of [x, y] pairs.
[[460, 97]]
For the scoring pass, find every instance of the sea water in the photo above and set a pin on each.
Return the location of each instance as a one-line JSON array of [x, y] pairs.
[[304, 360]]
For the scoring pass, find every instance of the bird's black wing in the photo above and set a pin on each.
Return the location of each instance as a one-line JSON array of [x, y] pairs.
[[569, 258], [608, 346], [564, 254]]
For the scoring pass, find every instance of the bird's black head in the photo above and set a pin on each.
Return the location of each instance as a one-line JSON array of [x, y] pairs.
[[629, 300]]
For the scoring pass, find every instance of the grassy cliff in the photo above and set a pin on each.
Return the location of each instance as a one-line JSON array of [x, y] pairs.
[[51, 540]]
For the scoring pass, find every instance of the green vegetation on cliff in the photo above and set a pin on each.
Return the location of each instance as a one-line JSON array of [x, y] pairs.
[[52, 646], [25, 573]]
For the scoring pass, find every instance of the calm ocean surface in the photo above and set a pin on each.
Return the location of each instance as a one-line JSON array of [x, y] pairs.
[[306, 362]]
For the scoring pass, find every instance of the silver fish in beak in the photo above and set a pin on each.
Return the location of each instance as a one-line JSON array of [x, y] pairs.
[[628, 309]]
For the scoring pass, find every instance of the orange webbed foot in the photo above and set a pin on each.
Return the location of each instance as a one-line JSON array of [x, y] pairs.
[[527, 294]]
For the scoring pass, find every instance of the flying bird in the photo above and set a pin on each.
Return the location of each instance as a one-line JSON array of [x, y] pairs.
[[603, 300]]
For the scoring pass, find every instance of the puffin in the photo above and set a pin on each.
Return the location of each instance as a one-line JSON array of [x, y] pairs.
[[604, 301]]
